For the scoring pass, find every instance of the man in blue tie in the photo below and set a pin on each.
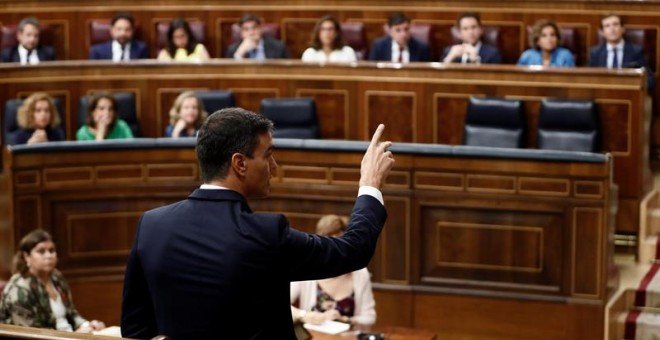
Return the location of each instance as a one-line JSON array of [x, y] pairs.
[[253, 44], [615, 52]]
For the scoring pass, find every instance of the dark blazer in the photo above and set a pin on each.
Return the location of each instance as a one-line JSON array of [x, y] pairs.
[[103, 51], [273, 49], [208, 268], [10, 55], [633, 57], [21, 136], [381, 49], [488, 54]]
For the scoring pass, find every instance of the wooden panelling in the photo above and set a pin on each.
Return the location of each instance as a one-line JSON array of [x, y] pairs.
[[441, 243], [397, 110], [27, 179], [101, 234], [68, 176], [587, 251], [332, 111]]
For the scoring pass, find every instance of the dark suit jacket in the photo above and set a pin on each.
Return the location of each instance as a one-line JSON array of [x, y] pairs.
[[273, 49], [10, 55], [209, 268], [381, 49], [103, 51], [633, 57], [489, 54]]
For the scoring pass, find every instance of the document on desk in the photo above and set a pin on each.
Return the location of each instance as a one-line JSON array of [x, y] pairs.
[[329, 327]]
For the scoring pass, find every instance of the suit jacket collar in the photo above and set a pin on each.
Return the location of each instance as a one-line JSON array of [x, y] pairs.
[[219, 195]]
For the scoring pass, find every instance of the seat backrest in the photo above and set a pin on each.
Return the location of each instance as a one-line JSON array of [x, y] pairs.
[[99, 31], [268, 29], [8, 36], [570, 125], [491, 35], [494, 122], [421, 32], [216, 100], [126, 107], [355, 37], [197, 27], [293, 117], [10, 118]]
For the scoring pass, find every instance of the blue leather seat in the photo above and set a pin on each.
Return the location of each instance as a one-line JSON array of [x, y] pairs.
[[126, 109], [570, 125], [293, 117], [494, 122], [216, 100]]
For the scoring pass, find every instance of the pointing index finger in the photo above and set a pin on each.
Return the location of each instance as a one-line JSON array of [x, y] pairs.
[[376, 137]]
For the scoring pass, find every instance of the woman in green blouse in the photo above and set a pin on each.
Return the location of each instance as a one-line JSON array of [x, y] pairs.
[[102, 121]]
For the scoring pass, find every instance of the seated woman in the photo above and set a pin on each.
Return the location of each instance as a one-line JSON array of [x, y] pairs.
[[546, 52], [181, 44], [186, 116], [38, 120], [347, 298], [327, 44], [102, 121], [37, 294]]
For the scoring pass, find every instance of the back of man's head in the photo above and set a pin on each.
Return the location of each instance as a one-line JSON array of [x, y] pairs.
[[397, 18], [224, 133]]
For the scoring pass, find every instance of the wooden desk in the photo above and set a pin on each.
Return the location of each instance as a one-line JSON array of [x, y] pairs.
[[470, 234], [423, 103], [19, 332], [391, 333]]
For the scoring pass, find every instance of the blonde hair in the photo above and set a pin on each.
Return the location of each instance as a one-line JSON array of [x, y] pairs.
[[25, 116], [331, 225], [176, 108]]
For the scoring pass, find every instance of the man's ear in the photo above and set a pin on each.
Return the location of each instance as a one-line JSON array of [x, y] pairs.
[[239, 164]]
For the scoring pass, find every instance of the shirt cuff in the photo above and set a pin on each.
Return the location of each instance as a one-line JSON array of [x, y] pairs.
[[371, 191]]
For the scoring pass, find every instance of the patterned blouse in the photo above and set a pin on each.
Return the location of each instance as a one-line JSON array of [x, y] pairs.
[[25, 302], [325, 302]]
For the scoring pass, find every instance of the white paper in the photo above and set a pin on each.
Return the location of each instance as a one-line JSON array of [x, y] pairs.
[[329, 327], [109, 331]]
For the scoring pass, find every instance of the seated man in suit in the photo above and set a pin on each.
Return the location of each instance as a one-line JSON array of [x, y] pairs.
[[28, 51], [472, 49], [253, 44], [122, 47], [615, 52], [399, 46], [208, 267]]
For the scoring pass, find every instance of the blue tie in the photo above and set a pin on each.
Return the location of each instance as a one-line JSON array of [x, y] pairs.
[[615, 58]]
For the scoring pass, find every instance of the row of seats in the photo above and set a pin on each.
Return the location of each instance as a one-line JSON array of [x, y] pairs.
[[353, 32], [570, 125], [293, 117]]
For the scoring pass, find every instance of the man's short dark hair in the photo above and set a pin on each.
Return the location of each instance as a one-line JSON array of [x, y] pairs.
[[123, 15], [29, 21], [473, 15], [397, 18], [248, 18], [609, 15], [226, 132]]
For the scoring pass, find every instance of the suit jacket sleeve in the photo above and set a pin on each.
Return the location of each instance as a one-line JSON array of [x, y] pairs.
[[593, 57], [425, 52], [93, 53], [373, 51], [311, 257], [231, 50], [6, 55], [144, 51], [137, 315]]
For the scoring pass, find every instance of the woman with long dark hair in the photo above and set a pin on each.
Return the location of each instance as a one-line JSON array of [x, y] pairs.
[[327, 44], [182, 44]]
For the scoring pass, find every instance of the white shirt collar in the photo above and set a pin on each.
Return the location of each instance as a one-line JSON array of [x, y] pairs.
[[212, 187], [116, 51], [23, 56], [618, 46]]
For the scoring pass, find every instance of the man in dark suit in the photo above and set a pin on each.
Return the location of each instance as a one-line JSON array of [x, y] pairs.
[[28, 51], [399, 46], [615, 52], [472, 49], [122, 47], [208, 267], [253, 44]]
